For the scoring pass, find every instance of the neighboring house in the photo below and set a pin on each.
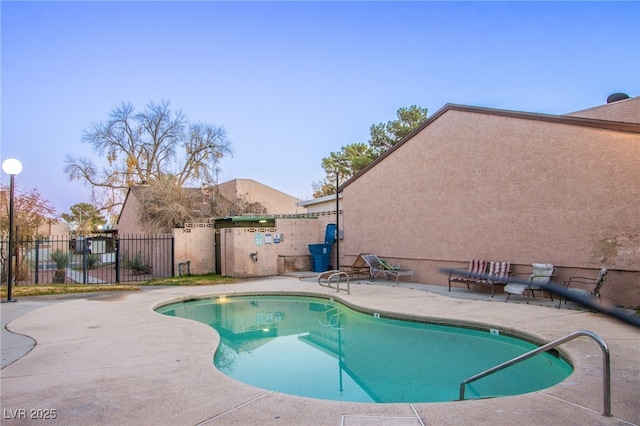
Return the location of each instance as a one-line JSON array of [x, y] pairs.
[[481, 183], [54, 227], [196, 242], [128, 219], [254, 192], [247, 190]]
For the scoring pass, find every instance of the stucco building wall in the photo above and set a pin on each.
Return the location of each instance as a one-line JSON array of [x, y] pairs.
[[128, 222], [290, 253], [627, 110], [472, 185], [254, 192], [259, 252], [246, 189], [196, 245]]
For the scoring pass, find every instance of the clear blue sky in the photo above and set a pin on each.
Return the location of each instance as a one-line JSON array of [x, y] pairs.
[[293, 81]]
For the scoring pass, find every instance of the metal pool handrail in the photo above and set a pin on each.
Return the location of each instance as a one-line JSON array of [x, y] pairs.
[[324, 279], [606, 364]]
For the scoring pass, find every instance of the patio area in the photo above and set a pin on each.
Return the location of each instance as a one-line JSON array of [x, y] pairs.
[[108, 358]]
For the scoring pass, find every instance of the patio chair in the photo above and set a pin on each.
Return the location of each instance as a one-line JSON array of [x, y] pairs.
[[499, 273], [483, 273], [596, 282], [476, 267], [379, 266], [541, 274]]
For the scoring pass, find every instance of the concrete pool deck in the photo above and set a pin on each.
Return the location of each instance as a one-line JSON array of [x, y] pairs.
[[108, 358]]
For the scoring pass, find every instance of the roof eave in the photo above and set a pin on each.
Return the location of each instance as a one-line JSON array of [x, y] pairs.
[[559, 119]]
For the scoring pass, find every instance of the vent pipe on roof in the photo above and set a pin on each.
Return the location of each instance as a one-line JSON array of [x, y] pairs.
[[617, 97]]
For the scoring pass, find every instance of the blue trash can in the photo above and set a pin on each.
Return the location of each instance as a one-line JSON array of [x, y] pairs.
[[320, 257], [321, 253]]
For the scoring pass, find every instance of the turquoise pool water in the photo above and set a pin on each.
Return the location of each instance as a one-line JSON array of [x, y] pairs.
[[319, 348]]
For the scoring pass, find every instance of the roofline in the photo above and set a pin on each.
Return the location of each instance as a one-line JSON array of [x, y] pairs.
[[236, 180], [619, 126], [265, 217], [603, 106], [318, 200]]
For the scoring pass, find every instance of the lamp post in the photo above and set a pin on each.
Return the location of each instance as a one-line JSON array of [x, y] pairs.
[[12, 167], [337, 220]]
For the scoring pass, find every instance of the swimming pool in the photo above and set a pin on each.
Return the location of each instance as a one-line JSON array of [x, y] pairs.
[[320, 348]]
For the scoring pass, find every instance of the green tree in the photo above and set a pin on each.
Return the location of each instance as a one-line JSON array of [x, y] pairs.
[[353, 158], [142, 146], [84, 218], [343, 165], [384, 136]]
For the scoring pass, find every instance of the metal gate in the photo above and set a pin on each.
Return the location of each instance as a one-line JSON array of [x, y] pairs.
[[94, 259]]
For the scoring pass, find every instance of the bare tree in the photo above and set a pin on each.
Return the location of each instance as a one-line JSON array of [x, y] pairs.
[[165, 206], [141, 147], [219, 206]]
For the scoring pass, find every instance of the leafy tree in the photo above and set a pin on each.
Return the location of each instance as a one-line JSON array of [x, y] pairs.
[[384, 136], [353, 158], [140, 147], [84, 217], [30, 211], [342, 165], [323, 187]]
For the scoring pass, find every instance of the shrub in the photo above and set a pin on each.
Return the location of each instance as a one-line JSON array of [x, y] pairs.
[[61, 259], [93, 260], [137, 264]]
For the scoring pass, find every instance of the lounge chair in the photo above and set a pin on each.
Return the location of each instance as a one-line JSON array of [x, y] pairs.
[[596, 282], [540, 274], [379, 266], [481, 272]]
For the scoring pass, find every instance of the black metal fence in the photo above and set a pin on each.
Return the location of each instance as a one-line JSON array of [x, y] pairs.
[[94, 259]]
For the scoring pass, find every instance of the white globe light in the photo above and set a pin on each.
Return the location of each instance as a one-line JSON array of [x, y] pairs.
[[11, 166]]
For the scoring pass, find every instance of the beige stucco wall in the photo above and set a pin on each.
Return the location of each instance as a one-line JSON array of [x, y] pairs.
[[473, 185], [196, 245], [238, 243], [128, 220], [291, 253], [274, 201], [54, 227], [627, 110]]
